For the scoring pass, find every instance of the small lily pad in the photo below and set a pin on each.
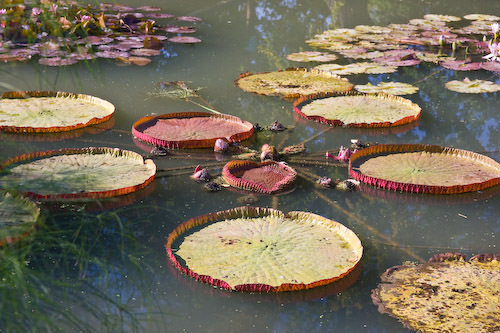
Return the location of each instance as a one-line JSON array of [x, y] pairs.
[[357, 68], [444, 18], [481, 17], [77, 173], [267, 177], [460, 65], [392, 88], [472, 87], [263, 250], [447, 294], [18, 217], [48, 111], [292, 83], [308, 56], [358, 110]]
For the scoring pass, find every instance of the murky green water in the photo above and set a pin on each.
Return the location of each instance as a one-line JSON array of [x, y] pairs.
[[92, 269]]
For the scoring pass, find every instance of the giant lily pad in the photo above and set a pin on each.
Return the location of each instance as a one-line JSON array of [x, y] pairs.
[[292, 83], [392, 88], [358, 110], [77, 173], [191, 129], [424, 168], [262, 249], [472, 87], [48, 111], [18, 217], [267, 177], [447, 294]]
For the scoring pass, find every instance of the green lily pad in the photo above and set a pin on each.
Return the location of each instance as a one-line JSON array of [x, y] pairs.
[[447, 294], [481, 17], [392, 88], [424, 168], [18, 217], [358, 110], [357, 68], [292, 83], [308, 56], [77, 173], [443, 18], [262, 249], [47, 111], [472, 87]]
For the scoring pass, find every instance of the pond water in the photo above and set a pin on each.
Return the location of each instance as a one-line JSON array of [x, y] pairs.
[[102, 266]]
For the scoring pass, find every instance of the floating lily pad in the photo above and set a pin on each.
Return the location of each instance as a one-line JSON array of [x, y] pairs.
[[292, 83], [392, 88], [77, 173], [264, 250], [184, 40], [460, 65], [447, 294], [493, 66], [48, 111], [481, 17], [191, 129], [444, 18], [267, 177], [308, 56], [358, 110], [18, 217], [472, 87], [357, 68], [424, 168]]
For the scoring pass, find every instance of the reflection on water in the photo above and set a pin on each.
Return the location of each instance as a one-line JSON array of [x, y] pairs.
[[107, 270]]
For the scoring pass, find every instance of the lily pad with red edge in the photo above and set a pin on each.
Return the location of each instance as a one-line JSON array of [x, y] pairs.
[[49, 111], [292, 83], [354, 109], [191, 129], [263, 250], [493, 66], [18, 217], [77, 173], [447, 294], [460, 65], [267, 177], [422, 168]]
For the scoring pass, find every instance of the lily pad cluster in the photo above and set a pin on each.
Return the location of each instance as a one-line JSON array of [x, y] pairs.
[[264, 250], [447, 294], [63, 32]]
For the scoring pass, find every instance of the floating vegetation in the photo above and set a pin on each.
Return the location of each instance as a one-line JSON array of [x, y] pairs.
[[392, 88], [472, 87], [63, 32], [264, 250], [191, 129], [292, 83], [357, 68], [18, 217], [308, 56], [48, 111], [358, 110], [268, 177], [77, 173], [424, 168], [447, 294]]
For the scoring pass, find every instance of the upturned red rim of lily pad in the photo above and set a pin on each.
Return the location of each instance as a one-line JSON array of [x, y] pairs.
[[108, 112], [148, 173], [363, 155], [268, 177], [191, 129], [300, 102], [246, 212]]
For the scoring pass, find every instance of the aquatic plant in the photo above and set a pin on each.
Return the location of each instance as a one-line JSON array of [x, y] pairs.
[[424, 168], [264, 250], [19, 217], [449, 293], [77, 173], [50, 111], [472, 87], [392, 88]]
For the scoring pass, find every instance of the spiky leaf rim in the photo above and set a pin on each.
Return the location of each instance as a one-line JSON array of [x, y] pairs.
[[419, 188], [255, 212], [435, 259], [199, 143], [35, 211], [296, 69], [57, 94], [239, 165], [26, 158], [301, 101]]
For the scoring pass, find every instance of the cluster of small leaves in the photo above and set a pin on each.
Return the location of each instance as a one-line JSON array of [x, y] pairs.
[[63, 32]]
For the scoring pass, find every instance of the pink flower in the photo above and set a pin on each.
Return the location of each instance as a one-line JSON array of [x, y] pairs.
[[343, 156], [267, 152], [65, 23], [495, 28], [3, 11], [494, 52], [200, 174], [53, 8], [36, 11], [85, 18], [221, 146]]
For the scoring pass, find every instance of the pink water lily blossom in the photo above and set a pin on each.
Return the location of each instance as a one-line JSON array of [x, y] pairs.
[[201, 174], [495, 28], [221, 146], [494, 52], [343, 155], [36, 11]]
